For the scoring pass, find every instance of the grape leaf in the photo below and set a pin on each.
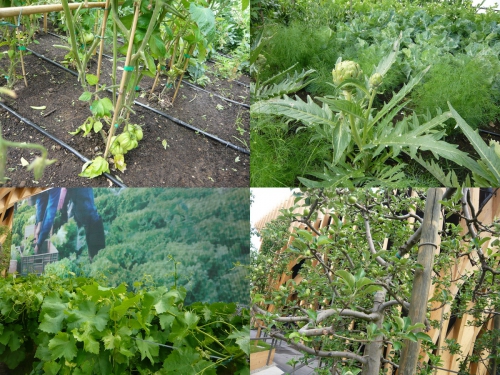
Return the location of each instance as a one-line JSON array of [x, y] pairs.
[[86, 312], [63, 345], [148, 348], [52, 313], [242, 339]]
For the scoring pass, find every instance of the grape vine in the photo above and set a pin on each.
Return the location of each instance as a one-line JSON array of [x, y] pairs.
[[76, 326]]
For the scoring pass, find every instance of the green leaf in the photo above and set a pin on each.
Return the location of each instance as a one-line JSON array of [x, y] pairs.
[[323, 240], [487, 154], [244, 4], [63, 345], [308, 112], [87, 313], [148, 348], [157, 46], [119, 311], [102, 107], [305, 234], [397, 345], [52, 313], [205, 19], [51, 368], [95, 168], [399, 322], [92, 80], [86, 96], [347, 278], [186, 361], [423, 336], [242, 339], [97, 126], [89, 343]]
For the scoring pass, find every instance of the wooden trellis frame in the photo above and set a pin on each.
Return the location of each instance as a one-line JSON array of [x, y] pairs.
[[464, 334]]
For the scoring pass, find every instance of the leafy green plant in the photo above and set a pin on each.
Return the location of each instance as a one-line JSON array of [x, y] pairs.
[[365, 142], [75, 322]]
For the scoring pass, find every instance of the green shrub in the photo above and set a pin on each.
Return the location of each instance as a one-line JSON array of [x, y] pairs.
[[466, 82]]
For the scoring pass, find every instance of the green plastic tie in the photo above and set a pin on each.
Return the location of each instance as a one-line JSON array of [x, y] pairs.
[[116, 126], [128, 68], [21, 48], [186, 55], [137, 88], [169, 85], [6, 77], [4, 23]]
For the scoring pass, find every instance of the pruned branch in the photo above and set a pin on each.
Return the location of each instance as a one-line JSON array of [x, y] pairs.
[[319, 353]]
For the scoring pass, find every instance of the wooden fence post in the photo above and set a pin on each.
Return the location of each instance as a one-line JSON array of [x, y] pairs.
[[429, 242]]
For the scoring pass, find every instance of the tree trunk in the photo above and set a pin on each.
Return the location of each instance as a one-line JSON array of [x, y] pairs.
[[429, 242], [494, 363], [374, 349]]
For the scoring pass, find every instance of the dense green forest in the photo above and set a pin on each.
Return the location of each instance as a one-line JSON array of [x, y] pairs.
[[194, 238]]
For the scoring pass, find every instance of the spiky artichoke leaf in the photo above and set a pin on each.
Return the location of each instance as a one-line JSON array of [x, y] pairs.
[[397, 97], [289, 85], [433, 168], [490, 160]]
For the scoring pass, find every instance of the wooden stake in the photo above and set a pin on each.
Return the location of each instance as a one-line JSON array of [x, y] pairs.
[[183, 71], [429, 243], [124, 79], [101, 47], [45, 16]]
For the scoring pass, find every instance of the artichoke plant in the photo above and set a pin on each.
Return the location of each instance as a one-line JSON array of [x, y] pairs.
[[346, 70]]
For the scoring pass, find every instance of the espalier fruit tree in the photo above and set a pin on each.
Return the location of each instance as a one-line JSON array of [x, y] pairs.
[[347, 299]]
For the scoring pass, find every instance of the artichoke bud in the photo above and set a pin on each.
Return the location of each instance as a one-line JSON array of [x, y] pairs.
[[375, 81], [346, 70]]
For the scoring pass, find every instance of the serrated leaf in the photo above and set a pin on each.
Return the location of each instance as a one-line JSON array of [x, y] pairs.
[[242, 339], [148, 348], [63, 345], [488, 155], [87, 312]]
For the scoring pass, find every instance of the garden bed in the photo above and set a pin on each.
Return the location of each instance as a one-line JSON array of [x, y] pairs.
[[188, 158]]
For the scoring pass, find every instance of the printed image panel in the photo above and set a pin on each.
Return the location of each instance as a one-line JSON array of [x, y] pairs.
[[192, 238]]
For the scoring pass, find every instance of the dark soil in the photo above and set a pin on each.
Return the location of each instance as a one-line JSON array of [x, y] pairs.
[[190, 159]]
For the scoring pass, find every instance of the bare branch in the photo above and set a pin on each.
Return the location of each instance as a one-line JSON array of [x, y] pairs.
[[371, 246]]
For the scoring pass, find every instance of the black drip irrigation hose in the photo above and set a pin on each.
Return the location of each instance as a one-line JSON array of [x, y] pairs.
[[163, 114], [220, 96], [58, 141], [489, 132], [217, 95]]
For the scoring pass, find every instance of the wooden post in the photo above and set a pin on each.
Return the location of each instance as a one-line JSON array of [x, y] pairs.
[[429, 242]]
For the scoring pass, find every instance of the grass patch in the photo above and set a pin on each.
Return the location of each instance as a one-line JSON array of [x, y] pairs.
[[259, 346]]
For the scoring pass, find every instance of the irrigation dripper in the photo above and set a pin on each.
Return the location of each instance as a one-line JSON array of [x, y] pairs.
[[58, 141]]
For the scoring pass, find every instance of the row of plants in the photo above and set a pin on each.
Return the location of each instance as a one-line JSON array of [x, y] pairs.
[[55, 326], [343, 292], [161, 37], [438, 60]]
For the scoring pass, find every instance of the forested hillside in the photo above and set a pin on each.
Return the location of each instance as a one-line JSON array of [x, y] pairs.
[[184, 237]]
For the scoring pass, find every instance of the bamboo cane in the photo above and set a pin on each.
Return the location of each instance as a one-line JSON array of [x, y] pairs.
[[124, 79], [36, 9], [101, 47], [183, 71], [45, 16]]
